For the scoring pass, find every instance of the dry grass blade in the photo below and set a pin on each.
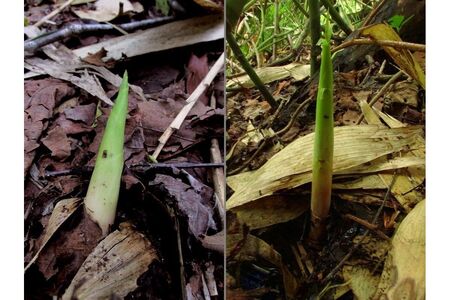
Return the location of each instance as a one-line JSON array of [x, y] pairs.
[[354, 146]]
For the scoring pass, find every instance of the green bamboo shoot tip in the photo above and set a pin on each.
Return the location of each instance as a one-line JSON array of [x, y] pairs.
[[103, 191], [322, 168]]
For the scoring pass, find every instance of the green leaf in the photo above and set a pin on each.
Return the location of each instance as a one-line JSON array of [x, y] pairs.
[[163, 6]]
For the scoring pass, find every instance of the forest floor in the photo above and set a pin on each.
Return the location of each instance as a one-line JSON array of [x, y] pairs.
[[171, 205]]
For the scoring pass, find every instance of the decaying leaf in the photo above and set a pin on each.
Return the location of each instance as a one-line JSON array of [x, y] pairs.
[[254, 247], [181, 33], [402, 57], [403, 275], [269, 74], [107, 10], [354, 146], [86, 81], [362, 282], [62, 211], [214, 242], [114, 266], [271, 210], [194, 204], [215, 6]]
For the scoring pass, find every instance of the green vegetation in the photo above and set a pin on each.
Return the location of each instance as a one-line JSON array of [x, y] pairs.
[[103, 192]]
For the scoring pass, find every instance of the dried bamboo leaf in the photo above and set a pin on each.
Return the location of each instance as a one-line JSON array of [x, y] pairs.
[[269, 74], [168, 36], [114, 266], [62, 211], [354, 146], [403, 275], [407, 180], [271, 210]]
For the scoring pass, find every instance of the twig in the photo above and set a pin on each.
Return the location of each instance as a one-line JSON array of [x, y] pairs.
[[395, 44], [53, 13], [33, 45], [368, 225], [373, 13], [381, 93], [190, 102], [217, 174], [210, 281], [347, 256]]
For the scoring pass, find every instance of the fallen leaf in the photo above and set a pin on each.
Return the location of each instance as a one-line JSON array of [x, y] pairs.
[[197, 69], [113, 267], [354, 146], [403, 275], [107, 10], [83, 113], [362, 282], [62, 211], [190, 203], [41, 98], [57, 142], [181, 33], [269, 74], [402, 57]]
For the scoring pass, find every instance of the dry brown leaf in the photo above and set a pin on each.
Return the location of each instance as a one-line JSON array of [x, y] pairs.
[[87, 82], [269, 74], [113, 267], [62, 211], [181, 33], [402, 57], [403, 276], [354, 146], [107, 10], [271, 210]]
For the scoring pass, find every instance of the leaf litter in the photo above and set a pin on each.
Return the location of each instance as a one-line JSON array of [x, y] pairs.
[[270, 200], [64, 123]]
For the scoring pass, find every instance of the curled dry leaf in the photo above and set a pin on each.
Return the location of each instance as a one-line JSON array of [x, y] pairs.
[[107, 10], [113, 267], [403, 275], [62, 211]]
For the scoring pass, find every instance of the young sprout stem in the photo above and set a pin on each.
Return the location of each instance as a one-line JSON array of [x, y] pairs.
[[323, 145], [103, 191]]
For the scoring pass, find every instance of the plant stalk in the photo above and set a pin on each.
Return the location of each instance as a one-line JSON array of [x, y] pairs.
[[103, 191], [322, 169]]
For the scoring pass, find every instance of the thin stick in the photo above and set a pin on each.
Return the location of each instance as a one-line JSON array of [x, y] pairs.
[[395, 44], [381, 93], [190, 102], [368, 225], [210, 281], [217, 174], [53, 13], [373, 13]]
